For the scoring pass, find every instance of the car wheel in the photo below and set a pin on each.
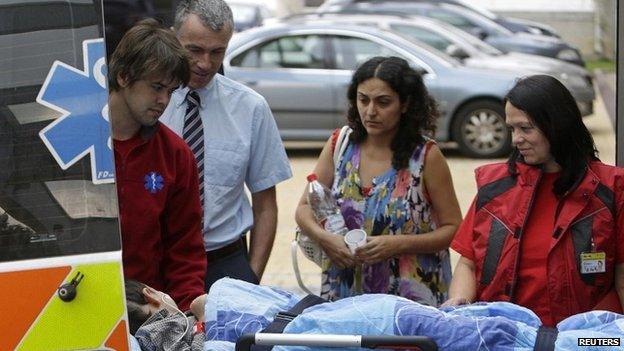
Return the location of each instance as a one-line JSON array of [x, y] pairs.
[[480, 131]]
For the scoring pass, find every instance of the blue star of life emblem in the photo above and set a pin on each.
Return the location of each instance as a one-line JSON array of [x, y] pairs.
[[154, 182], [82, 98]]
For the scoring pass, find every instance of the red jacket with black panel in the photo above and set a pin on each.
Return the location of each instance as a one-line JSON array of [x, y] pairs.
[[589, 218]]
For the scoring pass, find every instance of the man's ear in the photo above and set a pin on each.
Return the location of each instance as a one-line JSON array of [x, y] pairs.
[[152, 296]]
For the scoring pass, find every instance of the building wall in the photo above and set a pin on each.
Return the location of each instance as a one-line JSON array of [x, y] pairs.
[[576, 28], [606, 17], [587, 24], [536, 5]]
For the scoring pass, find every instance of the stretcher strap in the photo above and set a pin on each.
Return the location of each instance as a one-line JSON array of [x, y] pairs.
[[282, 319], [545, 340]]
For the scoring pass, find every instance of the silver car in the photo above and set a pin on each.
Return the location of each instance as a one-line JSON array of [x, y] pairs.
[[473, 52], [513, 24], [303, 70], [475, 24]]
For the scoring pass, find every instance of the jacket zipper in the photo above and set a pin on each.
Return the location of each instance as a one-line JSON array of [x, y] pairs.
[[514, 281], [560, 203]]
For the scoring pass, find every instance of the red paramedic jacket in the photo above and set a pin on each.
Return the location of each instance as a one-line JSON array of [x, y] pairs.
[[589, 219], [160, 214]]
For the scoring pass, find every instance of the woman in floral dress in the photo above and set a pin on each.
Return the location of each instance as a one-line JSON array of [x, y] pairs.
[[393, 182]]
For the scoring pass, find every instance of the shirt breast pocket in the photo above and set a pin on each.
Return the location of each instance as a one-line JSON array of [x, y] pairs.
[[224, 163]]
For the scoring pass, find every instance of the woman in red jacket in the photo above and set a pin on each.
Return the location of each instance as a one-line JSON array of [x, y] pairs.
[[545, 230]]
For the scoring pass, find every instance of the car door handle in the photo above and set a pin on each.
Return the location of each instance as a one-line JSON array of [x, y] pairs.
[[250, 83]]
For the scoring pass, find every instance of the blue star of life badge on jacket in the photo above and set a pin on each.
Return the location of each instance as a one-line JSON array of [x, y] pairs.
[[154, 182]]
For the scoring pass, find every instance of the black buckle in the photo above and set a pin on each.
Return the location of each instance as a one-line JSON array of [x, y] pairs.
[[284, 316]]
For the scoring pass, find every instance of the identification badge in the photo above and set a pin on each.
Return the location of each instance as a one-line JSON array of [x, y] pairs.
[[593, 262]]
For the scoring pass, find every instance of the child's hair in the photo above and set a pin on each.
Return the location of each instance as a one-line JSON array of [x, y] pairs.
[[135, 300]]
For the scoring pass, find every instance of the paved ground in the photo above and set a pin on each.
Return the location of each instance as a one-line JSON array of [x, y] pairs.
[[279, 270]]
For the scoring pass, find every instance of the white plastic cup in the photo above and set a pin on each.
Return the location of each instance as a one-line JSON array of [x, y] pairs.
[[354, 239]]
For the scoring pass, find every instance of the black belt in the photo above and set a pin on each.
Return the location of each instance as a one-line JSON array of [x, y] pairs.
[[227, 250]]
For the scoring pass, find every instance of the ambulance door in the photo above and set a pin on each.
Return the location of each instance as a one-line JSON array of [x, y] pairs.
[[61, 279]]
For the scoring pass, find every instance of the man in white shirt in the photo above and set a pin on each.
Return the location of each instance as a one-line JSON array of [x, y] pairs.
[[240, 146]]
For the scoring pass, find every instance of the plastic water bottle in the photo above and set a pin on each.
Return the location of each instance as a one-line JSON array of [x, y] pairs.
[[324, 207]]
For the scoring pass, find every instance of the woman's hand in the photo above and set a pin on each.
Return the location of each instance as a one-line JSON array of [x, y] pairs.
[[377, 249], [455, 301], [463, 287], [337, 251]]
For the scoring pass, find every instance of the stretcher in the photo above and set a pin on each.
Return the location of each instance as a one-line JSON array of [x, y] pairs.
[[421, 343]]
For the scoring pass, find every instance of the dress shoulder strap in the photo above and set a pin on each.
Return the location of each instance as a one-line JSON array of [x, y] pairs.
[[341, 144]]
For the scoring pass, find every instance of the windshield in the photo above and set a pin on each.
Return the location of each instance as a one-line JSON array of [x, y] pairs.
[[425, 49], [474, 41], [476, 8], [477, 20], [443, 37]]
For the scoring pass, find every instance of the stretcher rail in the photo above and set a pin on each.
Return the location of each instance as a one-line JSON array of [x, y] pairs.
[[423, 343]]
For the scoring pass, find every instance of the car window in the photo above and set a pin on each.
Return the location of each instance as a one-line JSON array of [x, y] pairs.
[[55, 13], [29, 45], [349, 52], [426, 36], [476, 8], [46, 209], [243, 13], [475, 42], [301, 51], [476, 20], [266, 13], [452, 19]]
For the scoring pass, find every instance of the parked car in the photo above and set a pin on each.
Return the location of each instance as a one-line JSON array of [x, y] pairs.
[[475, 24], [276, 7], [303, 70], [513, 24], [471, 51], [248, 15]]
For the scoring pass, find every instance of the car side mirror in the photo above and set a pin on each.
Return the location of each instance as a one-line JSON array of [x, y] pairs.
[[456, 52]]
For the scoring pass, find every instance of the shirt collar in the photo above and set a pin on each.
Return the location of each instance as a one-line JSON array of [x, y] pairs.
[[179, 96]]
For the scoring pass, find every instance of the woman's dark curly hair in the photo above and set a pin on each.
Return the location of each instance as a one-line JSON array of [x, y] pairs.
[[417, 121]]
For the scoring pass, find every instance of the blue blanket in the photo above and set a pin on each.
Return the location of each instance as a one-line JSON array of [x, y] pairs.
[[245, 308], [234, 308]]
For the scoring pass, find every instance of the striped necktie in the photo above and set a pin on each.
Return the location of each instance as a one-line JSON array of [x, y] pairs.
[[193, 134]]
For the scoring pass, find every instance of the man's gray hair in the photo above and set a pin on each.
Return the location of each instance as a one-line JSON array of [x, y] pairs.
[[214, 14]]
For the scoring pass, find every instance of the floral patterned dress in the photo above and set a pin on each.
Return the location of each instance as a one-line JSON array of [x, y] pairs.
[[396, 204]]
